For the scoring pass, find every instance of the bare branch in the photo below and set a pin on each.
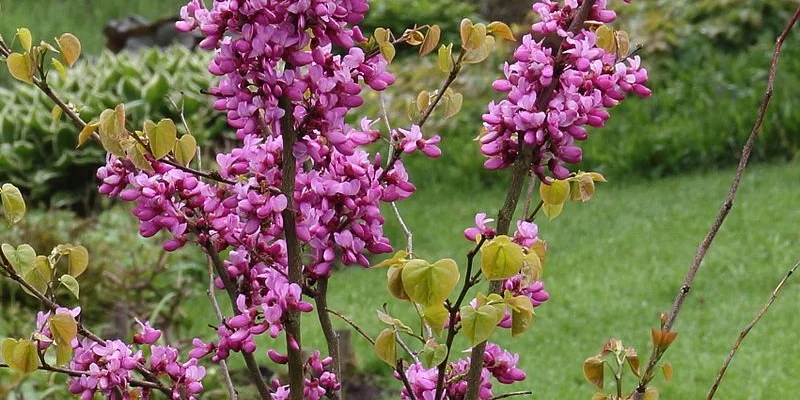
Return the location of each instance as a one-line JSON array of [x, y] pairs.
[[222, 363], [727, 205], [353, 324], [747, 330], [331, 337], [512, 394]]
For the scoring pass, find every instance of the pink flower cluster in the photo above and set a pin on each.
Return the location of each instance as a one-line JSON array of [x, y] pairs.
[[578, 80], [497, 363], [317, 382], [109, 368]]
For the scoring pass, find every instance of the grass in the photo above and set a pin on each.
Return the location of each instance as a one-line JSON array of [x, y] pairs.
[[615, 264], [85, 18]]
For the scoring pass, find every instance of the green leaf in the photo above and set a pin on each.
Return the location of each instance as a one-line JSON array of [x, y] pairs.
[[62, 71], [394, 277], [445, 58], [581, 188], [25, 38], [185, 149], [431, 40], [430, 284], [605, 39], [388, 51], [13, 203], [593, 371], [21, 67], [71, 284], [63, 355], [651, 393], [70, 48], [453, 105], [436, 317], [398, 258], [64, 328], [552, 211], [521, 313], [22, 258], [162, 137], [56, 113], [481, 53], [557, 192], [479, 324], [423, 100], [386, 347], [86, 133], [135, 152], [382, 35], [78, 260], [20, 355], [501, 258], [112, 130], [39, 275], [433, 354]]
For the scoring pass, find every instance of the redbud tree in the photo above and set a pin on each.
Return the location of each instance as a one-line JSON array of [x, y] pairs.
[[304, 191]]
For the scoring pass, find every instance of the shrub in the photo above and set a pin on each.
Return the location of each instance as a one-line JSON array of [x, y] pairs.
[[32, 141]]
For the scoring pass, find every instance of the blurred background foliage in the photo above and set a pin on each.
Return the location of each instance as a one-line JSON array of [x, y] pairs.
[[707, 60]]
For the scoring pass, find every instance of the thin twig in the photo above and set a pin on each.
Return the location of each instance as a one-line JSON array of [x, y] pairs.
[[747, 330], [405, 347], [392, 144], [512, 394], [404, 378], [727, 205], [222, 363], [78, 374], [353, 324]]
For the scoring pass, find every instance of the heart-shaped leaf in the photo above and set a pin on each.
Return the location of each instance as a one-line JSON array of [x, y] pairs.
[[78, 260], [430, 284], [386, 347], [25, 39], [21, 67], [501, 258], [64, 328], [71, 284], [20, 355], [479, 324], [22, 258], [13, 203], [436, 317], [185, 149], [70, 48]]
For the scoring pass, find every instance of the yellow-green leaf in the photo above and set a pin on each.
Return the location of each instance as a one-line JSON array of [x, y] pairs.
[[135, 153], [479, 324], [623, 43], [668, 371], [423, 100], [185, 149], [557, 192], [63, 355], [431, 40], [398, 258], [501, 258], [13, 203], [386, 347], [71, 284], [432, 354], [382, 35], [20, 355], [112, 133], [22, 258], [581, 188], [395, 281], [479, 54], [445, 58], [78, 260], [64, 328], [86, 133], [436, 317], [38, 275], [162, 138], [552, 211], [453, 105], [430, 284], [521, 314], [56, 113], [62, 71], [500, 30], [531, 269], [606, 39], [415, 38], [593, 371], [388, 51], [651, 393], [25, 38], [70, 48], [21, 67]]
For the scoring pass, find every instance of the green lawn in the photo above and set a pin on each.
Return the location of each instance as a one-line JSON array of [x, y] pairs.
[[616, 263]]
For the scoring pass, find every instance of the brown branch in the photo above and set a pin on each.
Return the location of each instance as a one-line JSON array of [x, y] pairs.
[[331, 337], [291, 320], [222, 363], [230, 288], [747, 330], [404, 378], [78, 374], [520, 170], [727, 205]]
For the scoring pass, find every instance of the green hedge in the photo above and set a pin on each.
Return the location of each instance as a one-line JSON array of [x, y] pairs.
[[38, 154]]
